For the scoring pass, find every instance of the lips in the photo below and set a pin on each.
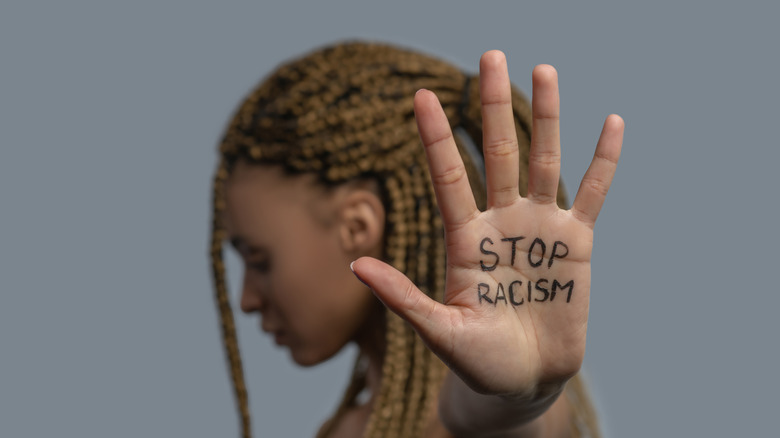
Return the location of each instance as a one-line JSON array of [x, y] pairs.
[[267, 326], [279, 336]]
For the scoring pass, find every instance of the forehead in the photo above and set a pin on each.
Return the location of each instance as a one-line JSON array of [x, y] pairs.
[[258, 182], [262, 198]]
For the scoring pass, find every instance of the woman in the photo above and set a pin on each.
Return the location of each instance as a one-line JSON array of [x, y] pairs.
[[478, 333]]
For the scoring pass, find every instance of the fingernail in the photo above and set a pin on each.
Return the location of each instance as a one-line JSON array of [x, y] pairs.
[[357, 276]]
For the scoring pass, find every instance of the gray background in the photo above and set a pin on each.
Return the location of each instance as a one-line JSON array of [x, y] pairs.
[[109, 117]]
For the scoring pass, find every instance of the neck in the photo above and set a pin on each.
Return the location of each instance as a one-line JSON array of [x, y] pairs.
[[371, 342]]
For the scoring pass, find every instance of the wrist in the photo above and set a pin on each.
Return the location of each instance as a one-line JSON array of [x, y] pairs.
[[542, 393], [464, 412]]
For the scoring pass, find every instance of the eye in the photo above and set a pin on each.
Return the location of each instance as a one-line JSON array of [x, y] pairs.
[[262, 266]]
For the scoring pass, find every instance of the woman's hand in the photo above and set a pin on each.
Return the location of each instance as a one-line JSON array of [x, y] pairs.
[[515, 309]]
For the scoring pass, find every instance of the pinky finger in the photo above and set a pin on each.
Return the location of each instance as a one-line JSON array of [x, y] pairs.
[[595, 184]]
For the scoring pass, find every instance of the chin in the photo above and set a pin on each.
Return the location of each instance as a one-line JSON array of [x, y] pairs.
[[310, 357]]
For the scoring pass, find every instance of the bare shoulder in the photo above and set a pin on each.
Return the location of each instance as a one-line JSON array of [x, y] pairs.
[[351, 423]]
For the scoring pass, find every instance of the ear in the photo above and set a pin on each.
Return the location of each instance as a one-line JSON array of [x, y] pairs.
[[361, 223]]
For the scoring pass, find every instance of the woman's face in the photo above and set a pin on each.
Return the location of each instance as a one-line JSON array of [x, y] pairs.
[[296, 267]]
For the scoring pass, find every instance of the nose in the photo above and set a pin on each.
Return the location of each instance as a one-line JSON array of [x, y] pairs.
[[251, 301]]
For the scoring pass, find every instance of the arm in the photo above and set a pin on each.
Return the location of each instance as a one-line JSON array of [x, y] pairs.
[[466, 413], [514, 318]]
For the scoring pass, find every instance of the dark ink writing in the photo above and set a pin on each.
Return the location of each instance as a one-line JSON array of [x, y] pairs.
[[557, 286], [514, 246], [512, 293], [483, 295], [537, 252], [486, 252], [500, 294], [536, 241], [543, 290], [538, 291], [555, 254]]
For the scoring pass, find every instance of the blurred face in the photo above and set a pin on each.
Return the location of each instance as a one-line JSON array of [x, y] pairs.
[[289, 234]]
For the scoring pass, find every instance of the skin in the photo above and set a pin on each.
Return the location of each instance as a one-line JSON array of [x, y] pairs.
[[508, 363], [297, 240]]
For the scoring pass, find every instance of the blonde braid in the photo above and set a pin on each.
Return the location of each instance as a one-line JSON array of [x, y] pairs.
[[343, 113], [229, 338]]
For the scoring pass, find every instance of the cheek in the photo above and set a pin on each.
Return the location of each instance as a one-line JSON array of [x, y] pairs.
[[321, 302], [317, 298], [308, 273]]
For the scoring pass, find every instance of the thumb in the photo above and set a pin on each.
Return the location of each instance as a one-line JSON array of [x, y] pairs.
[[401, 296]]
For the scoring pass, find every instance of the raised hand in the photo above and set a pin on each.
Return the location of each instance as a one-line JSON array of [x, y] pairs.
[[515, 309]]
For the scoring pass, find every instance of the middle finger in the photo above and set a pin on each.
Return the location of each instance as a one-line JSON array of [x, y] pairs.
[[499, 137]]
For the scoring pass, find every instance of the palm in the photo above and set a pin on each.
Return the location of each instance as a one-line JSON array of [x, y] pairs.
[[518, 280], [507, 301]]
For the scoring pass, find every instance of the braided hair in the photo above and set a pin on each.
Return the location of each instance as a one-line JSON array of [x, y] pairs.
[[342, 113]]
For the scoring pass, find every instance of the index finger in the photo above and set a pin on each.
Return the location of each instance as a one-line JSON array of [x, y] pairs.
[[450, 181]]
